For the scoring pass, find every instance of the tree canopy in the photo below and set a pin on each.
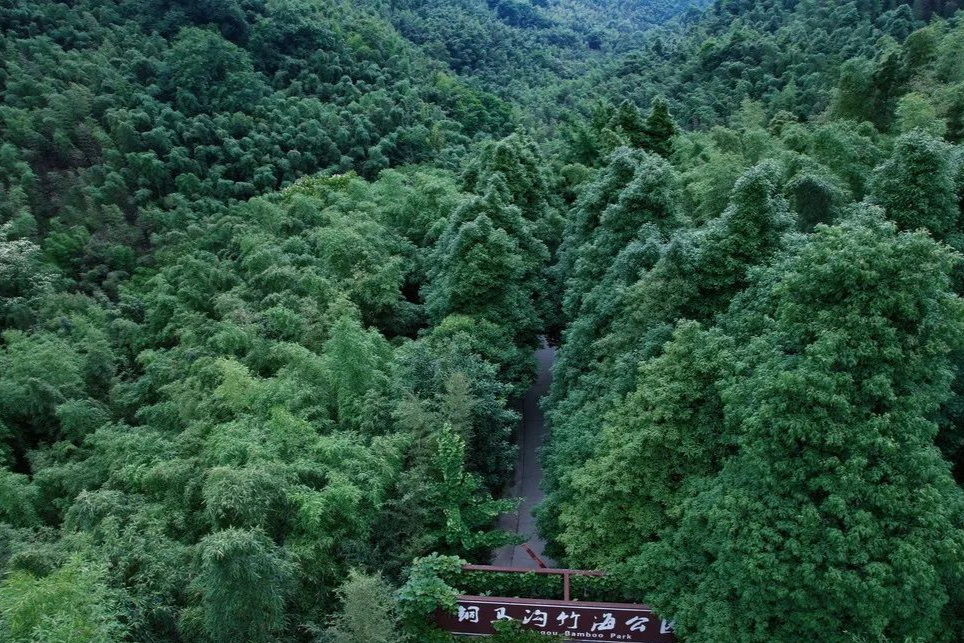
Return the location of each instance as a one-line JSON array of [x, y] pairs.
[[272, 273]]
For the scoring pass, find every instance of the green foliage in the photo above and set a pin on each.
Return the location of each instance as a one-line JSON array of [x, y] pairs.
[[702, 462], [663, 438], [659, 129], [835, 455], [447, 383], [102, 150], [532, 585], [466, 514], [426, 590], [628, 314], [73, 603], [241, 586], [512, 46], [624, 126], [23, 278], [916, 185], [243, 404], [355, 360], [39, 373], [18, 500], [914, 112], [245, 498], [271, 274], [488, 265], [368, 613]]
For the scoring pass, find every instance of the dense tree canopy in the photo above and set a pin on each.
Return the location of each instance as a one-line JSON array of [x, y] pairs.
[[272, 272], [834, 454], [759, 432]]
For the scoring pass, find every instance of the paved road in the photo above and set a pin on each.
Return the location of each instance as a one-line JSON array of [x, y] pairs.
[[528, 474]]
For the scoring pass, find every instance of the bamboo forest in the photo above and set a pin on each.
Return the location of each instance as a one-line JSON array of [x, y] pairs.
[[349, 321]]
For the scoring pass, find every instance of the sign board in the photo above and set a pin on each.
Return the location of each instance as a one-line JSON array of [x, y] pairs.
[[573, 620]]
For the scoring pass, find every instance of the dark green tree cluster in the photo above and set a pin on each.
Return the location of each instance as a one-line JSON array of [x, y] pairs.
[[120, 120], [756, 415], [490, 263], [610, 128], [513, 46], [775, 477]]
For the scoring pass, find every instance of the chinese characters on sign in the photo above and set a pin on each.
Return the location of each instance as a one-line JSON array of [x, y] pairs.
[[573, 620]]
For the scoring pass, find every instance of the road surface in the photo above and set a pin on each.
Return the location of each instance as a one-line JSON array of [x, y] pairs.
[[528, 473]]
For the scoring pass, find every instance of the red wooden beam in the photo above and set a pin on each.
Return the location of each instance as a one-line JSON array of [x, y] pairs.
[[526, 570], [565, 573]]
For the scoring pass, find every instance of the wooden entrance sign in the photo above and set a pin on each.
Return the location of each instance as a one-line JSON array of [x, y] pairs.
[[576, 621]]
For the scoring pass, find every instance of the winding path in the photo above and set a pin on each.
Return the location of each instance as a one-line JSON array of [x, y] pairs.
[[528, 473]]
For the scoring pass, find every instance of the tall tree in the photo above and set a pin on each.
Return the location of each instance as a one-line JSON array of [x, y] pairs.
[[242, 583], [628, 125], [488, 264], [659, 129], [657, 444], [916, 185]]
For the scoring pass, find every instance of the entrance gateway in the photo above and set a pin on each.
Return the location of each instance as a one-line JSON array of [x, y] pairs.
[[576, 621]]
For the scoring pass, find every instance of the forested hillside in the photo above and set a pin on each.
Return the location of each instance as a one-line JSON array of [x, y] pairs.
[[511, 46], [272, 272]]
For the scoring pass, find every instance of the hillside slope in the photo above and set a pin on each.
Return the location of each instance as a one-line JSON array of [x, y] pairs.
[[272, 274]]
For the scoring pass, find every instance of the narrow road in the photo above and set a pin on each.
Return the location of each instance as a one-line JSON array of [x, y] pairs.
[[528, 473]]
